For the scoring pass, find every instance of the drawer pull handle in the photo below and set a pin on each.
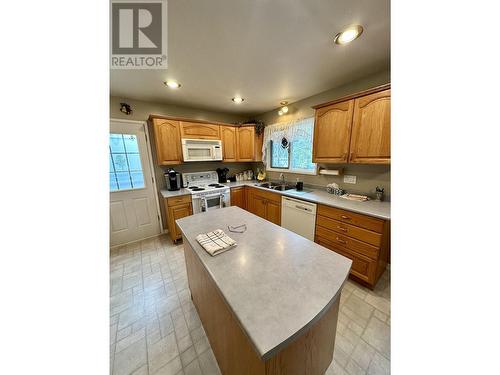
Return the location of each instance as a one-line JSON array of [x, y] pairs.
[[342, 229], [345, 217], [341, 241]]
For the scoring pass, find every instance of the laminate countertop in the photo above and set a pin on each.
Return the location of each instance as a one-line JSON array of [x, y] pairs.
[[381, 210], [277, 283]]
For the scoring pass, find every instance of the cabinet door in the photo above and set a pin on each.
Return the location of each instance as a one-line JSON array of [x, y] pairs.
[[258, 206], [259, 140], [199, 130], [371, 132], [273, 212], [167, 141], [228, 136], [177, 212], [332, 131], [246, 143], [238, 197]]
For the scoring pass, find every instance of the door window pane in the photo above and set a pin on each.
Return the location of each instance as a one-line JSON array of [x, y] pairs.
[[125, 165], [130, 141], [134, 162]]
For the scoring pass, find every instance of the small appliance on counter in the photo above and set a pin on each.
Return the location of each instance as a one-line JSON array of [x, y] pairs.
[[222, 173], [173, 179]]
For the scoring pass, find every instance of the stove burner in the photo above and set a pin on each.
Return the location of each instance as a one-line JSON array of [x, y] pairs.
[[193, 187], [216, 185], [197, 189]]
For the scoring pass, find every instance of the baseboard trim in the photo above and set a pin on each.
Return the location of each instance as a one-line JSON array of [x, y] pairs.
[[141, 239]]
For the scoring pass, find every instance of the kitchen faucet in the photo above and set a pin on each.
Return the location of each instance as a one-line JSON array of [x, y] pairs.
[[282, 178]]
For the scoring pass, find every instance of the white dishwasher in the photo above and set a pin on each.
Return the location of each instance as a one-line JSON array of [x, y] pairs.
[[298, 216]]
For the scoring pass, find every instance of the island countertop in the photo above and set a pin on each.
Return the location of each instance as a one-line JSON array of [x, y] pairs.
[[277, 283]]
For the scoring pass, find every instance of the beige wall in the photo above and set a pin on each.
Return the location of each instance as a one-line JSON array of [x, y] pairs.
[[368, 176], [141, 112]]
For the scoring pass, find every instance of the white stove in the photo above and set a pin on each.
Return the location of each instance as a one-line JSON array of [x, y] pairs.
[[206, 191]]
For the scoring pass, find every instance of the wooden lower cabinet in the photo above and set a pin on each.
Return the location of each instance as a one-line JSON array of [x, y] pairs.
[[176, 208], [265, 204], [361, 238], [239, 197]]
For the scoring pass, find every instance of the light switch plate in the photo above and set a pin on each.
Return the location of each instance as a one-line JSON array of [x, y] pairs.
[[349, 179]]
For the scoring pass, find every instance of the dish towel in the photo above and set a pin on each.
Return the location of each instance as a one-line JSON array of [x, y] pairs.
[[215, 242], [355, 197]]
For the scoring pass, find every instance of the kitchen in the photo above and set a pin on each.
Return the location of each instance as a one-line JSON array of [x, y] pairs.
[[250, 187], [292, 189], [323, 178]]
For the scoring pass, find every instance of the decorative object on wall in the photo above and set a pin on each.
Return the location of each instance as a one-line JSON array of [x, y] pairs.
[[125, 108]]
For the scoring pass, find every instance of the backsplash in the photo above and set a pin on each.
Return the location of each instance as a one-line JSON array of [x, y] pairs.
[[367, 178], [204, 166]]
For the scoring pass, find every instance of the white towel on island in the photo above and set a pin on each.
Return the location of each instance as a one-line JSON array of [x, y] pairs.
[[215, 242]]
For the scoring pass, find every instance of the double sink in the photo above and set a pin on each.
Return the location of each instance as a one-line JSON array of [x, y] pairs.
[[275, 186]]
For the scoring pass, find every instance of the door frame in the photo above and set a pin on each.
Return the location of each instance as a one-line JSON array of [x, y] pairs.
[[149, 163]]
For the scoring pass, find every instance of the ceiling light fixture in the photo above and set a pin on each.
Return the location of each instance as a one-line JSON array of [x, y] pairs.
[[172, 84], [349, 34], [284, 108], [237, 99]]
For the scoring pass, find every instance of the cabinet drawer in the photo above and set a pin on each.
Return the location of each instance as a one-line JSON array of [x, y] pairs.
[[358, 233], [275, 197], [348, 242], [349, 217], [362, 267], [173, 201]]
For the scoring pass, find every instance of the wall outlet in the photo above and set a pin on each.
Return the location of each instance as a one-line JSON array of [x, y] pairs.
[[349, 179]]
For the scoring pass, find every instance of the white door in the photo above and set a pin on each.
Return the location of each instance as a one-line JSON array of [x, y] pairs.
[[133, 205]]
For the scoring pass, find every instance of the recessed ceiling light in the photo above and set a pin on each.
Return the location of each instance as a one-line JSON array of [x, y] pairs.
[[280, 112], [172, 84], [237, 99], [349, 34]]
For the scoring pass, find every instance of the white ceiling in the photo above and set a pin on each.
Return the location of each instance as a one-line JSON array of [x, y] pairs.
[[263, 50]]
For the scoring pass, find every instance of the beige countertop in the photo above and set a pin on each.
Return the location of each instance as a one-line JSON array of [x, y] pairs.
[[373, 208], [277, 283]]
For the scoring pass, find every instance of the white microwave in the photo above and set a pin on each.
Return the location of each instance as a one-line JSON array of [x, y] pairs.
[[201, 149]]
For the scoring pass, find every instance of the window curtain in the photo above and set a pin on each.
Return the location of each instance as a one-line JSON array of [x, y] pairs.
[[290, 130]]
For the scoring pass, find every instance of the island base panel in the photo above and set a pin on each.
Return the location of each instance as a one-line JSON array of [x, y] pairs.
[[310, 353]]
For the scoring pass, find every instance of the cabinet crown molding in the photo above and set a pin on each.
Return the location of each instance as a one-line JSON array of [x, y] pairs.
[[354, 96]]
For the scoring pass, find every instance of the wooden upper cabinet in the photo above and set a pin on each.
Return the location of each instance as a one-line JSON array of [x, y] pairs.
[[197, 130], [246, 143], [332, 131], [167, 141], [229, 145], [259, 141], [371, 131]]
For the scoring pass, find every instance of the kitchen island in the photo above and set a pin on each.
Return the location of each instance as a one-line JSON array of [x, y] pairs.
[[269, 305]]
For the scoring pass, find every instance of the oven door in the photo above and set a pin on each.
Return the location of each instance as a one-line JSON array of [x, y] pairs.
[[211, 202]]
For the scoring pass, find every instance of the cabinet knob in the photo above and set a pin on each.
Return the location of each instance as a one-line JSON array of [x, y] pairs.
[[345, 217]]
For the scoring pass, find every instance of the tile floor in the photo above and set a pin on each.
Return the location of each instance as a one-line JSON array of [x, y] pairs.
[[155, 329]]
